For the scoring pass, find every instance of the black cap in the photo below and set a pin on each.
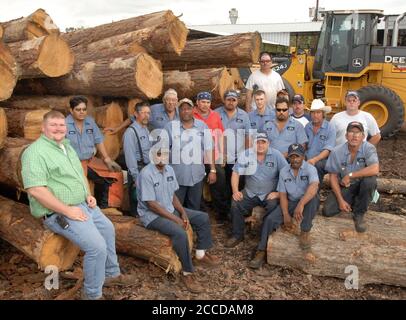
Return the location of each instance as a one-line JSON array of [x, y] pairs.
[[297, 149], [355, 124], [298, 98], [352, 94], [231, 94]]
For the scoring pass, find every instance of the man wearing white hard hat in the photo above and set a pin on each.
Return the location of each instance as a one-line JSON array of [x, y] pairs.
[[321, 135]]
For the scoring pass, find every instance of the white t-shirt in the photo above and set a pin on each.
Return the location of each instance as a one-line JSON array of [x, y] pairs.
[[270, 83], [341, 120]]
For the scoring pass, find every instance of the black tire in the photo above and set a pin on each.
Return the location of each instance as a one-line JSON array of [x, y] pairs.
[[288, 88], [392, 102]]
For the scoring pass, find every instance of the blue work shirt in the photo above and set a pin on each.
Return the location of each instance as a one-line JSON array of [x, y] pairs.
[[258, 120], [159, 117], [154, 185], [84, 143], [131, 147], [191, 143], [261, 178], [296, 187], [339, 160], [324, 139], [293, 132]]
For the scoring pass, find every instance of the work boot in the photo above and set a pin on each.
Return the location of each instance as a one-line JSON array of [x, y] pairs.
[[258, 260], [304, 240], [232, 242], [84, 296], [191, 284], [120, 280], [208, 260], [359, 223]]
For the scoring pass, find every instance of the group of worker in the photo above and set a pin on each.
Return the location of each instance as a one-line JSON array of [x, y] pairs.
[[275, 156]]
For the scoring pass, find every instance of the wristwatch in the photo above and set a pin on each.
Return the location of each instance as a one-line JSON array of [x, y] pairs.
[[350, 174]]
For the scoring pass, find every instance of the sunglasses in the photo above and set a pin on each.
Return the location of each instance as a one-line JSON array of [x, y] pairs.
[[281, 110]]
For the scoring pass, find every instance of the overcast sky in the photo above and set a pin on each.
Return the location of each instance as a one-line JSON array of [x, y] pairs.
[[87, 13]]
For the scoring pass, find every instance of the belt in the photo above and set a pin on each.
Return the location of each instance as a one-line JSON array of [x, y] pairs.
[[48, 215]]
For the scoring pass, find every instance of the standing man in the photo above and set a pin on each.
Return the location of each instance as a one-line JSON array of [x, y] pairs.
[[322, 137], [299, 110], [191, 144], [136, 149], [85, 136], [352, 113], [261, 168], [160, 209], [262, 114], [284, 131], [166, 111], [353, 167], [264, 79], [58, 194], [212, 119]]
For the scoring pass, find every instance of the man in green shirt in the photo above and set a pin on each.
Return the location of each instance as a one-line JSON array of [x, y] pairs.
[[58, 193]]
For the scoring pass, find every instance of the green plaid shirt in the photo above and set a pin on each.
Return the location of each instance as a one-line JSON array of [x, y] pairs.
[[44, 164]]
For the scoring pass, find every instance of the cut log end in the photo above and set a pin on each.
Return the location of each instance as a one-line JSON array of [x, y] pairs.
[[33, 123], [148, 76], [40, 25], [8, 72], [256, 47], [3, 128], [56, 58], [178, 35]]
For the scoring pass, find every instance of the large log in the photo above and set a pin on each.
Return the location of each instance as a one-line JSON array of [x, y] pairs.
[[47, 56], [1, 32], [35, 25], [379, 254], [60, 103], [190, 83], [135, 240], [3, 128], [10, 162], [237, 50], [8, 72], [27, 234], [165, 21], [138, 75], [25, 123]]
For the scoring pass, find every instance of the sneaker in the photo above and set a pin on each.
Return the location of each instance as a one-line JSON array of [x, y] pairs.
[[208, 260], [258, 260], [191, 284], [304, 240], [359, 223], [120, 280], [232, 242]]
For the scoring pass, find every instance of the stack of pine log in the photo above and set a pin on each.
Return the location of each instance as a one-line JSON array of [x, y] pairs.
[[114, 65]]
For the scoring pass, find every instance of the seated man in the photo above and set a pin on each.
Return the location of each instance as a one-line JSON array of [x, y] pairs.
[[159, 209], [58, 193], [261, 168], [353, 167], [298, 185]]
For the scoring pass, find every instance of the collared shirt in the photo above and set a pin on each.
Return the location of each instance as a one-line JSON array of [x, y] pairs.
[[159, 117], [154, 185], [296, 187], [261, 178], [131, 147], [83, 142], [187, 150], [44, 164], [324, 139], [258, 120], [293, 132], [339, 161]]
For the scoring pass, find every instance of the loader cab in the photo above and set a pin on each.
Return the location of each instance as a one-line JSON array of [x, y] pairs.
[[345, 41]]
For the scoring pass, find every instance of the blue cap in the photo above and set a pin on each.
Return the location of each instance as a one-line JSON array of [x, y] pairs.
[[203, 96], [352, 94], [297, 149], [231, 94]]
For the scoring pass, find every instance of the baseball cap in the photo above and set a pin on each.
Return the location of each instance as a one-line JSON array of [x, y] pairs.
[[204, 95], [261, 136], [298, 98], [355, 124], [185, 100], [231, 94], [352, 94], [297, 149]]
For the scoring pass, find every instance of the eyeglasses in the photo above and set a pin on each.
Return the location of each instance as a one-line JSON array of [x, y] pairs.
[[355, 134], [281, 110], [265, 61], [80, 109]]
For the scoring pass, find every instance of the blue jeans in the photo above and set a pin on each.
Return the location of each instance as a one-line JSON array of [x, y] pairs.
[[96, 237]]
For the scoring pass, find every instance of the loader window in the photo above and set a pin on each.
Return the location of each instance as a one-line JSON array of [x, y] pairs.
[[339, 42]]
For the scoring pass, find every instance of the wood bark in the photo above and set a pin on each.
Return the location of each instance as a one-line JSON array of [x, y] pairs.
[[133, 239], [8, 72], [3, 127], [238, 50], [190, 83], [10, 162], [47, 56], [36, 25], [164, 21], [379, 254], [25, 123], [27, 234]]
